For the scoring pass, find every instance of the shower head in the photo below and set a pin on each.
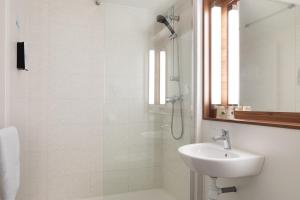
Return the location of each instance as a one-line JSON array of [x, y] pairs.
[[162, 19], [98, 2]]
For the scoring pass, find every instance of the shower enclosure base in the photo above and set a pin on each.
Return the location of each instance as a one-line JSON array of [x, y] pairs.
[[156, 194]]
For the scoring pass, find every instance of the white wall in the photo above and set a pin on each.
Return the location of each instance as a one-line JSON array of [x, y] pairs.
[[55, 105], [2, 61], [84, 88]]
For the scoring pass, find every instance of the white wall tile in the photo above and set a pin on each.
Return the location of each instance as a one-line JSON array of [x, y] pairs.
[[144, 178], [115, 181], [78, 108], [3, 85], [96, 183]]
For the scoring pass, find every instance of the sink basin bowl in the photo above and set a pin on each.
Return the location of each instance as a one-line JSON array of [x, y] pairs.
[[213, 160]]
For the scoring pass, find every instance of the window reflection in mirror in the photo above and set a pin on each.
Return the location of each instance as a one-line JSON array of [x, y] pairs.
[[270, 46], [255, 55]]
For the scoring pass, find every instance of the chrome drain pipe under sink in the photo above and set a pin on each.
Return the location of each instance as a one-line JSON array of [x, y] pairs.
[[214, 191]]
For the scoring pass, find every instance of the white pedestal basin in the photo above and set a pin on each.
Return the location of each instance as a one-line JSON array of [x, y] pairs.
[[213, 160]]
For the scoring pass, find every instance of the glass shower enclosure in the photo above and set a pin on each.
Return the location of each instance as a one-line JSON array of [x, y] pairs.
[[148, 102]]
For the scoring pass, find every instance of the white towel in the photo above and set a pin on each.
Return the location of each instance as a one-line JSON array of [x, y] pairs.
[[9, 163]]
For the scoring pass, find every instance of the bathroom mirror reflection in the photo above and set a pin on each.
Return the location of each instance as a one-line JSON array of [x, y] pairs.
[[251, 61], [270, 55]]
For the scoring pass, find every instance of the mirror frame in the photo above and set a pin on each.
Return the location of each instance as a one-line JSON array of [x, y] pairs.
[[274, 119]]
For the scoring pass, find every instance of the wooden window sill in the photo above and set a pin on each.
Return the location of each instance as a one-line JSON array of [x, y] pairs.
[[258, 122]]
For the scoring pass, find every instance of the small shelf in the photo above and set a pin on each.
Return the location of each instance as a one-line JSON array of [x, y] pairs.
[[258, 122]]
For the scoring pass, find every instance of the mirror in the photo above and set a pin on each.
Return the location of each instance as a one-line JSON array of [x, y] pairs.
[[251, 62], [270, 55]]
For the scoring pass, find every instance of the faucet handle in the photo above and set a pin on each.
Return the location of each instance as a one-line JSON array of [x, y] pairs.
[[225, 138]]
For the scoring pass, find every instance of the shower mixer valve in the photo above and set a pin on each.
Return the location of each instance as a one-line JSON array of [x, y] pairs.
[[174, 99], [174, 18]]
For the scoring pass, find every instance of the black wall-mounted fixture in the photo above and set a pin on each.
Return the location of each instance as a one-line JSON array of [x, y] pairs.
[[21, 56]]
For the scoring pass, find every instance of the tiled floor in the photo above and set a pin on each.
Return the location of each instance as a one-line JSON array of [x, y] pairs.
[[156, 194]]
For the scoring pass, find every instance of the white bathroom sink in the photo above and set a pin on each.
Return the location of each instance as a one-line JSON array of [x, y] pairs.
[[213, 160]]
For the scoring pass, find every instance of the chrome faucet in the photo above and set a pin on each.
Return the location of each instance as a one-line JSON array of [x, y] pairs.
[[226, 139]]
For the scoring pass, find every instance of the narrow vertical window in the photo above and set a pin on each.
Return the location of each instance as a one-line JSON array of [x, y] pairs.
[[233, 57], [216, 49], [162, 89], [151, 77]]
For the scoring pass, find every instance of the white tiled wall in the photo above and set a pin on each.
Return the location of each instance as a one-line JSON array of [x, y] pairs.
[[2, 62], [80, 109], [176, 176], [57, 105]]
